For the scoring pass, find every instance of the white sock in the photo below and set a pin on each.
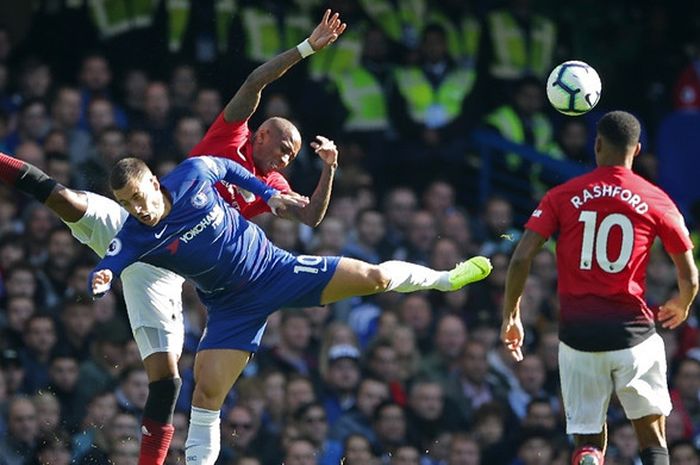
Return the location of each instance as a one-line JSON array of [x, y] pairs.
[[204, 437], [409, 277]]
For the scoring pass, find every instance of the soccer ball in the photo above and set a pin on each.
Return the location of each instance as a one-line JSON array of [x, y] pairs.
[[573, 88]]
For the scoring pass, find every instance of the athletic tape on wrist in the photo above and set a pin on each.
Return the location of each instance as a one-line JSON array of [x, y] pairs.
[[305, 48]]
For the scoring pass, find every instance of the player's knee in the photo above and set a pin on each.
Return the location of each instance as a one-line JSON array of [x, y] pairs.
[[378, 279], [207, 395]]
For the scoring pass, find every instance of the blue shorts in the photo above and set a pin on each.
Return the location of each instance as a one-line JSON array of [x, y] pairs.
[[236, 320]]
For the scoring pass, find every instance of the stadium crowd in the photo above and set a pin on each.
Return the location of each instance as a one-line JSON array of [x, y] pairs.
[[392, 379]]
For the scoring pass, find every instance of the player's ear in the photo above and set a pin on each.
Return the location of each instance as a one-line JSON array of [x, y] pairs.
[[638, 149], [598, 144]]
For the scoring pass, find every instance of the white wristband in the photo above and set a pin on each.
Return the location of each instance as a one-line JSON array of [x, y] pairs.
[[305, 48]]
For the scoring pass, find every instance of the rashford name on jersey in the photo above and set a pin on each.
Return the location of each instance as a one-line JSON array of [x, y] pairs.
[[608, 190]]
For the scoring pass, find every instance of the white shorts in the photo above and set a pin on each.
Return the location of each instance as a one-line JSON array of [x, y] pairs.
[[637, 374], [153, 295]]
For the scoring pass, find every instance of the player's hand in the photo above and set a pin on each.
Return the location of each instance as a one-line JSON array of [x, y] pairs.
[[327, 31], [513, 335], [672, 313], [326, 149], [278, 203], [101, 282]]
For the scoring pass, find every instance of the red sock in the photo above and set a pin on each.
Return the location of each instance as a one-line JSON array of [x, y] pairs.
[[588, 455], [155, 442], [10, 168]]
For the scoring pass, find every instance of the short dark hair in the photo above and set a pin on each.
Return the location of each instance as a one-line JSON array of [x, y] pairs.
[[620, 128], [126, 170]]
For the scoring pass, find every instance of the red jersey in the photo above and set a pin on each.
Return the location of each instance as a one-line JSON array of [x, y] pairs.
[[606, 222], [234, 141]]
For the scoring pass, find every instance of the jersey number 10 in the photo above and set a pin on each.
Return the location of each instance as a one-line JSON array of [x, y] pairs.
[[598, 239]]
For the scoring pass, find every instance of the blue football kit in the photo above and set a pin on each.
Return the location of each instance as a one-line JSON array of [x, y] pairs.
[[241, 277]]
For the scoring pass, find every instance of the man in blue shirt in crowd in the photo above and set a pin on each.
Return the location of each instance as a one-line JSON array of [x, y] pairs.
[[183, 225]]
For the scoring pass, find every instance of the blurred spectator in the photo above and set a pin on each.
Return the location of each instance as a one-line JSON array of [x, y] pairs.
[[33, 124], [102, 369], [22, 430], [133, 390], [301, 451], [188, 132], [531, 376], [134, 85], [358, 420], [100, 115], [403, 340], [158, 117], [520, 41], [534, 448], [405, 455], [462, 28], [522, 121], [420, 238], [497, 232], [34, 81], [357, 450], [312, 421], [683, 453], [207, 105], [241, 436], [100, 410], [53, 448], [95, 78], [686, 92], [383, 364], [63, 383], [623, 446], [684, 393], [58, 166], [65, 112], [183, 86], [472, 386], [48, 412], [290, 354], [13, 371], [402, 25], [398, 207], [389, 424], [39, 341], [439, 199], [62, 251], [56, 141], [364, 245], [341, 379], [450, 339], [299, 391], [18, 311], [464, 450], [140, 145], [429, 413], [111, 147], [416, 312], [572, 139]]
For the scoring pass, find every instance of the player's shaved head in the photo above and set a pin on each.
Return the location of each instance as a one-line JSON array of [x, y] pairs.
[[620, 129], [125, 171], [281, 126]]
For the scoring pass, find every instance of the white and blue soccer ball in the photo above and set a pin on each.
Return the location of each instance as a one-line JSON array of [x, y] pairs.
[[573, 88]]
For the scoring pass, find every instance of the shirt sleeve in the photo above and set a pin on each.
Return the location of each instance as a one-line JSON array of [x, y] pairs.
[[275, 180], [122, 251], [544, 219], [673, 232], [222, 169], [223, 138]]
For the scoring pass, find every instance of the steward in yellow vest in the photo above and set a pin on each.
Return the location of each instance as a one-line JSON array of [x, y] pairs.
[[522, 43], [462, 28], [429, 98], [523, 122]]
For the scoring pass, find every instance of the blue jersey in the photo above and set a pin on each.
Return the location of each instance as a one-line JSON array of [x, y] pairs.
[[202, 238], [240, 276]]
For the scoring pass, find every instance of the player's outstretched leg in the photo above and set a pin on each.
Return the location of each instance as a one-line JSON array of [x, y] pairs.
[[68, 204], [357, 278], [587, 455]]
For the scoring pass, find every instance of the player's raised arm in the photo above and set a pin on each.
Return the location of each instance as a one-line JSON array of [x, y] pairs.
[[246, 100], [313, 213], [512, 333]]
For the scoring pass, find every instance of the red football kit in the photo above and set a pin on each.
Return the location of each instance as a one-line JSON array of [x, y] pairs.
[[234, 141], [606, 222]]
